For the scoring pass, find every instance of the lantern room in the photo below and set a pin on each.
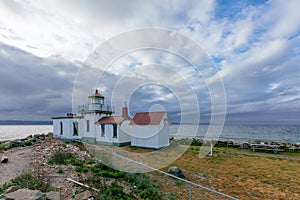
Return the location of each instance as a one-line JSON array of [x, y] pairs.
[[96, 101]]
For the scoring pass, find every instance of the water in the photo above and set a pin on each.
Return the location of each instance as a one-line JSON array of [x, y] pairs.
[[11, 132], [236, 133], [242, 133]]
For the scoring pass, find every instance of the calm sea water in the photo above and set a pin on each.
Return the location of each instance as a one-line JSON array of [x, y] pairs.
[[241, 133], [236, 133], [11, 132]]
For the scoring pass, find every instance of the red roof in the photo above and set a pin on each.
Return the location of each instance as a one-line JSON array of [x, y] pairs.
[[147, 118], [96, 94], [111, 120]]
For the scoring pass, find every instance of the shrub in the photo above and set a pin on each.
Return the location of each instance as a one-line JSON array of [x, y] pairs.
[[85, 169], [78, 169], [178, 182], [115, 191], [100, 166], [60, 171], [26, 181], [149, 192], [28, 142], [197, 143], [111, 174], [90, 162], [2, 147], [60, 157]]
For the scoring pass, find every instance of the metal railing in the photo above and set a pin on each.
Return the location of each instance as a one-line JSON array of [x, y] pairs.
[[108, 108]]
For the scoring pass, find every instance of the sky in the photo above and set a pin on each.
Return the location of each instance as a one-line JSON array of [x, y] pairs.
[[252, 47]]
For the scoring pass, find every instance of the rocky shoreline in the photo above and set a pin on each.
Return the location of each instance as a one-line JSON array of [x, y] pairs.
[[43, 167], [255, 145], [33, 153]]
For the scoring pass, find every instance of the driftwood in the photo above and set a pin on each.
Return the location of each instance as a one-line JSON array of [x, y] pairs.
[[81, 184]]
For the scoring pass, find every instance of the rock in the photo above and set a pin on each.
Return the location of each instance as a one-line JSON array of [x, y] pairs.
[[22, 194], [176, 171], [52, 195], [4, 159], [83, 195], [11, 189], [50, 135], [245, 146]]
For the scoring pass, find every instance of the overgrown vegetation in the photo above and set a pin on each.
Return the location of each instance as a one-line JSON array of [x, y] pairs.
[[109, 181], [27, 181], [60, 158]]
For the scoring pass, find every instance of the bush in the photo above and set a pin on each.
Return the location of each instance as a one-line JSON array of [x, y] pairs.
[[100, 166], [60, 171], [78, 169], [111, 174], [197, 143], [2, 147], [85, 169], [60, 157], [90, 162], [26, 181], [115, 191], [28, 143], [150, 192]]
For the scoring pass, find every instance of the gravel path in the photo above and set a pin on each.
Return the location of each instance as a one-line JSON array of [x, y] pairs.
[[18, 163]]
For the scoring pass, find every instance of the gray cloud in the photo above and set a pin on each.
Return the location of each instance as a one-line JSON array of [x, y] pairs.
[[34, 88]]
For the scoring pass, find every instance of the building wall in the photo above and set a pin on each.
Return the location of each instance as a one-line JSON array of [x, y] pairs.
[[151, 136], [91, 135], [67, 128], [145, 136], [122, 136], [108, 133], [124, 132], [164, 135]]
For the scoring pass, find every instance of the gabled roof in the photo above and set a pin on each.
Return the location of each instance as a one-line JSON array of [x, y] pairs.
[[147, 118], [111, 120]]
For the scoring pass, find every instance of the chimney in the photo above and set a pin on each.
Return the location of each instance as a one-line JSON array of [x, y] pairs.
[[125, 111]]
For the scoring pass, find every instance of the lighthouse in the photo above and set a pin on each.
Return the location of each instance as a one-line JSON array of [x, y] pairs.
[[96, 101], [91, 113]]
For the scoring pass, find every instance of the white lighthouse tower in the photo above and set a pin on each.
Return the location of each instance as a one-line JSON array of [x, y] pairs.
[[91, 113], [96, 101]]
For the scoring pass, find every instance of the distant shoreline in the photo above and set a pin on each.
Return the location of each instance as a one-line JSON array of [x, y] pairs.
[[21, 122]]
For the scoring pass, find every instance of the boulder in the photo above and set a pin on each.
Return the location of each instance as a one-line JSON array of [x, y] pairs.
[[22, 194], [53, 195], [11, 189], [83, 195], [4, 159], [176, 171]]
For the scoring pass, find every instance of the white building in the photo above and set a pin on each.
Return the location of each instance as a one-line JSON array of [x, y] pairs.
[[95, 124], [150, 129]]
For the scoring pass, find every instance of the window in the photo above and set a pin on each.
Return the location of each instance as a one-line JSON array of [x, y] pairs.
[[75, 128], [102, 130], [61, 128], [115, 130], [87, 125]]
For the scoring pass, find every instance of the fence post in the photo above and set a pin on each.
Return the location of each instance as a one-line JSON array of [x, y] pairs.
[[191, 191]]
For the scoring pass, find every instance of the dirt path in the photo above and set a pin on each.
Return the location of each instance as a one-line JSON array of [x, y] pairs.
[[18, 163]]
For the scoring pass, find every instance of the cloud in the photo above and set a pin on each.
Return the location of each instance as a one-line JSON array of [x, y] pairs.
[[254, 44], [33, 88]]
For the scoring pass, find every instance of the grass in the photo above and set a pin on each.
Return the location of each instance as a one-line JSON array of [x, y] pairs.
[[242, 176], [27, 181]]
